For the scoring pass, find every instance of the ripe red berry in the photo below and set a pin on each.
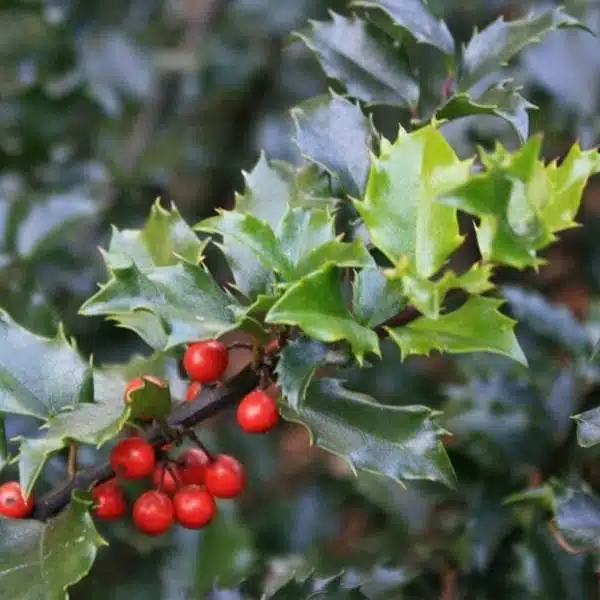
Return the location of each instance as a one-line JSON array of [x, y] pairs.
[[257, 412], [153, 513], [206, 361], [192, 467], [167, 480], [193, 390], [194, 507], [13, 504], [224, 477], [133, 458], [109, 500]]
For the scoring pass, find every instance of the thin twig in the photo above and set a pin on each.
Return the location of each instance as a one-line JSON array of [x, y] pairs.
[[449, 585], [3, 442], [72, 460]]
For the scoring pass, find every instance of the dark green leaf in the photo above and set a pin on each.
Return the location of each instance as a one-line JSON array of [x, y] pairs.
[[399, 442], [414, 17], [493, 47], [317, 306], [369, 67], [333, 133], [588, 427], [577, 516], [477, 326]]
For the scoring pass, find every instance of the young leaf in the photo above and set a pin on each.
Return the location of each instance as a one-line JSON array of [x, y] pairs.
[[414, 17], [315, 304], [399, 208], [333, 133], [493, 47], [164, 237], [166, 306], [476, 326], [40, 377], [370, 68], [399, 442]]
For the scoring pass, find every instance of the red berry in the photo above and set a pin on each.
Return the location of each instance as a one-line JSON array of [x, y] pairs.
[[257, 412], [194, 507], [193, 463], [13, 504], [193, 390], [167, 480], [109, 500], [153, 512], [133, 458], [224, 477], [206, 361]]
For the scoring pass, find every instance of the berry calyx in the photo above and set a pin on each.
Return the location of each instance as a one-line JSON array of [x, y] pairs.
[[109, 500], [133, 458], [153, 513], [166, 479], [257, 412], [193, 390], [224, 477], [206, 361], [194, 507], [13, 503], [192, 466]]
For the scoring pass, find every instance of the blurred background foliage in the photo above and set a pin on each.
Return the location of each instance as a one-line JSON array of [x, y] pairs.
[[105, 105]]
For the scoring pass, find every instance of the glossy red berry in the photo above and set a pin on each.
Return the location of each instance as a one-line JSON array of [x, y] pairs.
[[193, 390], [133, 458], [206, 361], [167, 480], [224, 477], [109, 500], [257, 412], [13, 503], [153, 512], [194, 507], [192, 466]]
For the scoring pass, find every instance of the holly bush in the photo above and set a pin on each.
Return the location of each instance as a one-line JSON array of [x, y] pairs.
[[336, 386]]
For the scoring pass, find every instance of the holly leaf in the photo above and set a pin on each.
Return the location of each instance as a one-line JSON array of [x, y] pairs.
[[399, 442], [368, 66], [41, 561], [316, 305], [399, 207], [500, 100], [588, 427], [40, 377], [414, 17], [165, 306], [164, 238], [296, 366], [577, 516], [333, 133], [150, 400], [477, 326], [500, 41]]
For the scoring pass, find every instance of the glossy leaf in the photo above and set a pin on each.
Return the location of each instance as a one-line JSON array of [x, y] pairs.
[[369, 67], [415, 18], [317, 306], [333, 133], [40, 377], [166, 306], [477, 326], [588, 427], [399, 207], [577, 516], [399, 442], [494, 46]]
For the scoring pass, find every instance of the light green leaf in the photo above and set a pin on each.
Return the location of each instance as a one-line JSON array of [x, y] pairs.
[[317, 306], [414, 17], [41, 561], [333, 133], [399, 208], [336, 252], [166, 306], [368, 66], [476, 326], [493, 47], [40, 377], [164, 237], [399, 442]]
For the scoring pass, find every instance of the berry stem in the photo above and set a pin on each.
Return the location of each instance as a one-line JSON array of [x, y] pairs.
[[72, 459], [191, 434], [3, 442]]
